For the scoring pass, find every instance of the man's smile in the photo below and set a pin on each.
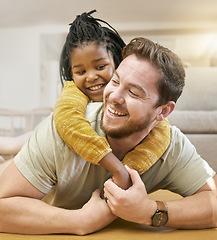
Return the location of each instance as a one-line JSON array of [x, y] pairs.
[[115, 112]]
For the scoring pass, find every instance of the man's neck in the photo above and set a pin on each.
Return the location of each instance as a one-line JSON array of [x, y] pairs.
[[120, 147]]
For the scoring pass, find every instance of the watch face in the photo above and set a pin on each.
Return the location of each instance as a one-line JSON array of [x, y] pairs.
[[159, 219]]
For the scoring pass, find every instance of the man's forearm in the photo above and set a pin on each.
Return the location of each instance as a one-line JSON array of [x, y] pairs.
[[194, 212], [32, 216]]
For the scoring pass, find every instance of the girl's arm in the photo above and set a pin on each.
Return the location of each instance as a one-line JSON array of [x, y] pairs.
[[150, 149], [74, 128]]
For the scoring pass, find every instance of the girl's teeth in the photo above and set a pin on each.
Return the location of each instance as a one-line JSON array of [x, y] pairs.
[[96, 87]]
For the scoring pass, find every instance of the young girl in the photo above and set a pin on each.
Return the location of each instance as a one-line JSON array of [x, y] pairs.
[[89, 56]]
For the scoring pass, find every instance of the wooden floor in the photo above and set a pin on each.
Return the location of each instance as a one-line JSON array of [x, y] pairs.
[[122, 230]]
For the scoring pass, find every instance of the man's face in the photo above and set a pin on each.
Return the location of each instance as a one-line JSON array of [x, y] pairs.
[[130, 98]]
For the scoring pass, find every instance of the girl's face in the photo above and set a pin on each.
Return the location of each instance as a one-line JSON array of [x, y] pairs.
[[92, 68]]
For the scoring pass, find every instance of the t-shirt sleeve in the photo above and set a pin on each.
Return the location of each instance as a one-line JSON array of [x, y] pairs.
[[37, 159], [187, 170]]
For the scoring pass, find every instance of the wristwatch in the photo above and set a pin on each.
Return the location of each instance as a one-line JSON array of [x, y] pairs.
[[160, 217]]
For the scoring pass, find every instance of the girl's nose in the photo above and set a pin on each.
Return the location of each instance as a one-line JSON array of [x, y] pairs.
[[91, 76]]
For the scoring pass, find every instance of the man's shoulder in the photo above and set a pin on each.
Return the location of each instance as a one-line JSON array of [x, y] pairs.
[[176, 135], [93, 115], [179, 144], [93, 111]]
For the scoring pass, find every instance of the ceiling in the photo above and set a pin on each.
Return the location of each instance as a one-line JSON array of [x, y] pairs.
[[137, 13]]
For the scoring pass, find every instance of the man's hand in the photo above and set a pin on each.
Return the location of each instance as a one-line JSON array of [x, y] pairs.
[[95, 214], [132, 204], [22, 211]]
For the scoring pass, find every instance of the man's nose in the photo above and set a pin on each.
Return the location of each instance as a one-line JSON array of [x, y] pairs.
[[117, 97]]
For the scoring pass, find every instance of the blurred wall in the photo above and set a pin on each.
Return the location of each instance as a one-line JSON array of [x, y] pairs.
[[19, 68], [29, 71]]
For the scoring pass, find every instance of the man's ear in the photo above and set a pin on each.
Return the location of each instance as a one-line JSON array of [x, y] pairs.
[[165, 110]]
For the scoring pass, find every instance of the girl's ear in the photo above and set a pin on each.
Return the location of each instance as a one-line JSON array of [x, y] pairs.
[[165, 110]]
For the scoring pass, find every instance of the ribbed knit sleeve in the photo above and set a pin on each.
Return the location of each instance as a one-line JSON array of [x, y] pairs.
[[153, 146], [74, 128]]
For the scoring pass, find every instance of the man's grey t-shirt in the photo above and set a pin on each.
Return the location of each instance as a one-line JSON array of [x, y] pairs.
[[68, 180]]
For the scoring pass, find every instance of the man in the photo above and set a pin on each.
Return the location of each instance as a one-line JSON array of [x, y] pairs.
[[142, 92]]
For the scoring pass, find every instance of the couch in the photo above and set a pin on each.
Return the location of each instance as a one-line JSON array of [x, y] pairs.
[[195, 113]]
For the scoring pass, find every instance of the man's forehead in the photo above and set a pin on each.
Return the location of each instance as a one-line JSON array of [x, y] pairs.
[[127, 64], [139, 72], [133, 65]]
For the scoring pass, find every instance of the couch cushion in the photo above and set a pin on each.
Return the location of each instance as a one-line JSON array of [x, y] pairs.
[[194, 121], [206, 146], [200, 91]]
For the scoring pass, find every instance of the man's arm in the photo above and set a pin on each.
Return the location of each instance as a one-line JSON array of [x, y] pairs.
[[22, 210], [194, 212]]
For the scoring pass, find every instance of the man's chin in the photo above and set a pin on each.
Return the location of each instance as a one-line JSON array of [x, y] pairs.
[[115, 133]]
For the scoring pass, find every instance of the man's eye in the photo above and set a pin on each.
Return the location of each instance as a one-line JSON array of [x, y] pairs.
[[133, 93], [115, 81]]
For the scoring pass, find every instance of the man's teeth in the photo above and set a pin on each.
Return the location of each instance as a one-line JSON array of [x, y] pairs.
[[116, 112], [95, 87]]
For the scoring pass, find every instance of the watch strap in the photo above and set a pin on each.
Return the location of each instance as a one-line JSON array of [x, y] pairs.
[[162, 206]]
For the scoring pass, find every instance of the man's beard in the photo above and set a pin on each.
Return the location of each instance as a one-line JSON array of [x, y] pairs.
[[126, 130]]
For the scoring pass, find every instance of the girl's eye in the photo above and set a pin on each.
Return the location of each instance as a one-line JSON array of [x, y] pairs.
[[80, 72], [101, 67]]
